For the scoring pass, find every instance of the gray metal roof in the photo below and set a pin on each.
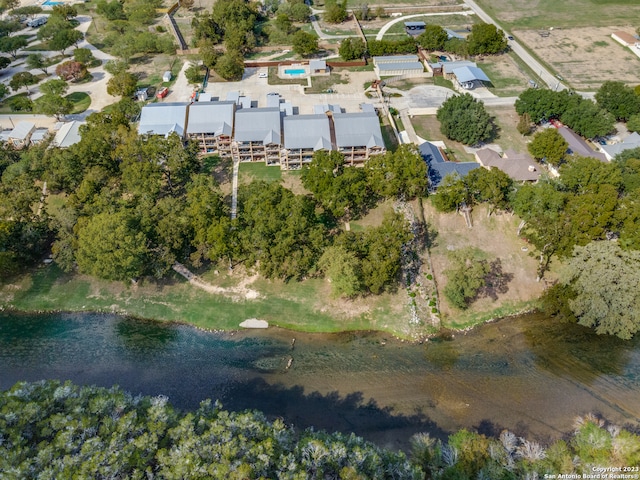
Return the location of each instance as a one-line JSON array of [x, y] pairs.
[[449, 67], [384, 67], [22, 130], [204, 97], [469, 74], [211, 117], [163, 118], [39, 134], [307, 131], [358, 129], [233, 96], [273, 100], [632, 141], [287, 108], [453, 34], [415, 24], [394, 59], [68, 134], [367, 107], [326, 107], [317, 64], [258, 125], [245, 101]]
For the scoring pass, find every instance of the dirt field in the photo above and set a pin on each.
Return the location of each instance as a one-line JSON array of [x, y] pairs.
[[496, 236], [585, 57]]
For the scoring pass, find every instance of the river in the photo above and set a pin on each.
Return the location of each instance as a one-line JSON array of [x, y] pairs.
[[528, 374]]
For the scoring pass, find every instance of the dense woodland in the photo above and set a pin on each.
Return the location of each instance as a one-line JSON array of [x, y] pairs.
[[131, 206], [54, 430]]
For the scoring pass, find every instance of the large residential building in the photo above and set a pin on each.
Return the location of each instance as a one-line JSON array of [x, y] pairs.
[[358, 136], [258, 135], [519, 166], [303, 135], [211, 125], [163, 119]]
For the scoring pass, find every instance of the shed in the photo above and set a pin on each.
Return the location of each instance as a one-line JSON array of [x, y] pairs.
[[318, 67], [21, 134], [167, 76]]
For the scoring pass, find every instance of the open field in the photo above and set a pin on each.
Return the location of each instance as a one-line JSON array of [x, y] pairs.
[[496, 237], [524, 14], [585, 57], [508, 77], [508, 136]]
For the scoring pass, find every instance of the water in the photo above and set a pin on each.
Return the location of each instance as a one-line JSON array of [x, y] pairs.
[[528, 374], [298, 71]]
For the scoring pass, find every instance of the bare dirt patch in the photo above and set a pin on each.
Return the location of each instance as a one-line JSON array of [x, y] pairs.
[[584, 57], [496, 237]]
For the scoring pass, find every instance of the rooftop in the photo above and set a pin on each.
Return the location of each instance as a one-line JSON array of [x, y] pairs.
[[163, 118], [307, 131], [358, 129], [449, 67], [469, 74], [519, 166], [439, 168], [394, 59], [211, 117], [68, 134], [578, 146], [383, 67], [22, 130], [258, 125], [632, 141]]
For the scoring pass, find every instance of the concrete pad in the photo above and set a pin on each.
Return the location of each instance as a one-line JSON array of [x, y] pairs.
[[254, 323]]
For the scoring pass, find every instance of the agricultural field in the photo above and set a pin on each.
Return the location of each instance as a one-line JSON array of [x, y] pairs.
[[584, 57]]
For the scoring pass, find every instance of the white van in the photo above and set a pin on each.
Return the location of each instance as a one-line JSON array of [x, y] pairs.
[[37, 22]]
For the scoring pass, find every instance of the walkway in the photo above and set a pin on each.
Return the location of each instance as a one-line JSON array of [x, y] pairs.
[[234, 189], [391, 23]]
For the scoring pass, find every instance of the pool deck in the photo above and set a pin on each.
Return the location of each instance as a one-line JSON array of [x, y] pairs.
[[304, 69]]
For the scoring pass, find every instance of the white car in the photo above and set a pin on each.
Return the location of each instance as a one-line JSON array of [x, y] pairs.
[[262, 75]]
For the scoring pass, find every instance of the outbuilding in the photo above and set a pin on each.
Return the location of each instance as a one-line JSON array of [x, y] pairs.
[[167, 76]]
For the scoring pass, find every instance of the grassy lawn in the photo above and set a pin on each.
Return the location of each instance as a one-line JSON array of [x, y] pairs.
[[321, 84], [81, 101], [304, 305], [506, 118], [445, 21], [428, 127], [258, 171]]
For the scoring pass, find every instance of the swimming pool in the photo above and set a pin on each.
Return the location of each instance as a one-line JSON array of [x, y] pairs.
[[51, 3], [295, 71]]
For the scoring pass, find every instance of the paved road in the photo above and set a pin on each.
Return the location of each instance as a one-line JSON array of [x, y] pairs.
[[547, 77]]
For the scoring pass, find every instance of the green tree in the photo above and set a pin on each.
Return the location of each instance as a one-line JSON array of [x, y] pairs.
[[110, 246], [304, 43], [606, 282], [542, 104], [4, 90], [21, 104], [54, 87], [588, 119], [344, 271], [300, 12], [194, 74], [618, 99], [352, 48], [53, 105], [549, 145], [491, 186], [123, 84], [335, 11], [466, 275], [65, 38], [230, 66], [524, 124], [283, 23], [83, 55], [634, 123], [464, 119], [433, 38], [67, 12], [451, 194], [486, 38], [37, 61], [11, 45], [401, 174], [22, 79]]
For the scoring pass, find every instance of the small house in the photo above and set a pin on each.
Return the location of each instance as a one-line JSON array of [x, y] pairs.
[[20, 136], [318, 67], [167, 76], [68, 134]]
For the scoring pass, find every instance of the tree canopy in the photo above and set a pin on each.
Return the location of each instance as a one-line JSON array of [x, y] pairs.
[[464, 119], [486, 38], [549, 145], [618, 99]]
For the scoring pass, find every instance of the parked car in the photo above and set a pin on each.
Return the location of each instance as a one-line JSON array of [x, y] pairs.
[[262, 75], [509, 37], [163, 92], [37, 22]]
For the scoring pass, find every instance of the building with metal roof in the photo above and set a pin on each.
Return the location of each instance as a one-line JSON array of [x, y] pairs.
[[68, 134], [318, 67], [468, 76], [38, 135], [578, 146], [414, 28], [211, 125], [358, 136], [21, 134], [273, 100], [303, 135], [394, 59], [395, 69], [326, 107], [632, 141], [258, 135], [163, 119], [449, 67], [440, 167]]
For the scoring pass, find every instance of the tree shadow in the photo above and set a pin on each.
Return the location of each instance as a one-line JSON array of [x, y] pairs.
[[331, 412], [496, 281]]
